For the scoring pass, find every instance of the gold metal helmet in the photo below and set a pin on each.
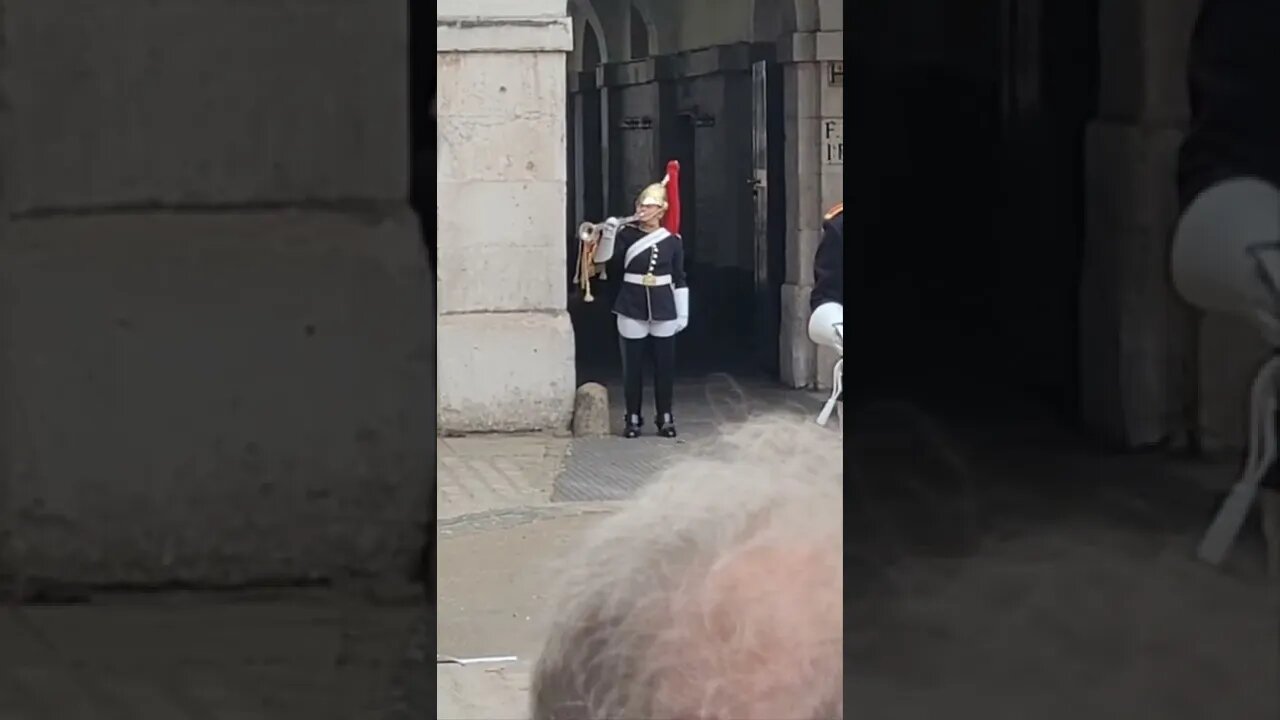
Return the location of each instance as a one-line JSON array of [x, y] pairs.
[[655, 194]]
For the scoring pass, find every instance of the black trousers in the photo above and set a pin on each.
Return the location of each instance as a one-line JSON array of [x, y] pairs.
[[664, 366]]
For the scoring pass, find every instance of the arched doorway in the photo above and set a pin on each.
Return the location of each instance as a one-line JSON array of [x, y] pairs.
[[714, 109], [771, 20], [588, 183]]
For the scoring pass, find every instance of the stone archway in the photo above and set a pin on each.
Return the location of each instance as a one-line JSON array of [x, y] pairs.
[[647, 34], [592, 47], [586, 25]]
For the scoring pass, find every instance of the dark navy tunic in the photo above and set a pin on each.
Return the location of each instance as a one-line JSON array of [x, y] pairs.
[[643, 303], [1234, 82], [828, 264]]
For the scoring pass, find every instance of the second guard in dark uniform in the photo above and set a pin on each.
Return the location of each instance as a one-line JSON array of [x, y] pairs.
[[826, 301], [1225, 255], [653, 301]]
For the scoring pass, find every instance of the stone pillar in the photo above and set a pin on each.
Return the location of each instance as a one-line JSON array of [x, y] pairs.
[[216, 350], [815, 182], [505, 340], [1136, 345]]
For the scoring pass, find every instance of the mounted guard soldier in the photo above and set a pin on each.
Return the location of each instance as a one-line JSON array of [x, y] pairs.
[[652, 306]]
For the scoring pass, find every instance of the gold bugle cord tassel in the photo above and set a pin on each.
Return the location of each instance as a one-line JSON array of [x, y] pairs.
[[587, 252], [589, 240], [587, 235]]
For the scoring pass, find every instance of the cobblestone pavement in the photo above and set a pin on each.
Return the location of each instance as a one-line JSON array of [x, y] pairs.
[[1000, 565], [270, 656], [1003, 542], [499, 534], [484, 474], [613, 468], [411, 689], [510, 506]]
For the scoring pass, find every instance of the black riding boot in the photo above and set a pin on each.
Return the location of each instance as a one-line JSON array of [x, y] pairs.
[[632, 385], [631, 426], [664, 362], [666, 425]]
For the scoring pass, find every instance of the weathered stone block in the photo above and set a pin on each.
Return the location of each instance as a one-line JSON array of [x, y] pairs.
[[1135, 333], [198, 102], [501, 117], [831, 96], [505, 372], [502, 246], [1131, 177], [1132, 386], [591, 411], [506, 344], [830, 17], [803, 149], [832, 187], [803, 96], [798, 354], [1143, 46], [500, 8], [216, 398]]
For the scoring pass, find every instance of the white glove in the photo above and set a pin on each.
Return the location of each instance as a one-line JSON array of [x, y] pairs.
[[682, 308], [608, 236], [826, 326]]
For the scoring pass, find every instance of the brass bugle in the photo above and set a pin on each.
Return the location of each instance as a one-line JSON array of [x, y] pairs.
[[589, 237], [588, 230]]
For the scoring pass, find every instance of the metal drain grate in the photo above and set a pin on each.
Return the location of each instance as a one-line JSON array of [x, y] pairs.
[[606, 469], [613, 468]]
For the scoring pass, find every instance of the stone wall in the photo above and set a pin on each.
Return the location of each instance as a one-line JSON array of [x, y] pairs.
[[218, 350], [505, 339]]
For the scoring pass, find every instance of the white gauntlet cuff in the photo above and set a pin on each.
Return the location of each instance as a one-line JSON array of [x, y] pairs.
[[682, 302]]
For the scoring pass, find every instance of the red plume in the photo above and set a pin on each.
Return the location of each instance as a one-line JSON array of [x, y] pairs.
[[672, 219]]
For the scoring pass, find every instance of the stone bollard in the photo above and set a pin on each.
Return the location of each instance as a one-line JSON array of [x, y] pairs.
[[591, 411]]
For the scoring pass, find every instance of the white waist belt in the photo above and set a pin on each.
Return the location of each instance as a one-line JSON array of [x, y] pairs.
[[649, 280]]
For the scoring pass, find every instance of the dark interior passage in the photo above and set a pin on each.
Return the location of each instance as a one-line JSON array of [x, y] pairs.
[[422, 144], [921, 218], [965, 210], [422, 123]]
